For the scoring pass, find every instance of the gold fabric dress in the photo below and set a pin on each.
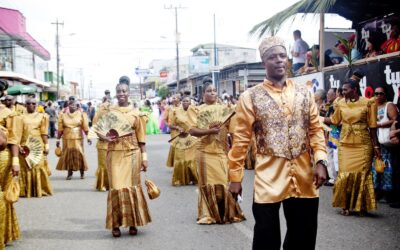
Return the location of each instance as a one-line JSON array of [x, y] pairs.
[[169, 117], [126, 204], [215, 202], [9, 228], [185, 171], [101, 172], [354, 188], [34, 180], [72, 125], [2, 201]]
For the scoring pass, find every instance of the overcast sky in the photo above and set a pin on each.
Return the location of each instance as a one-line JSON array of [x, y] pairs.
[[108, 39]]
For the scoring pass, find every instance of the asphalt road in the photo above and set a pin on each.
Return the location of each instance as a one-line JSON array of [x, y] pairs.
[[74, 218]]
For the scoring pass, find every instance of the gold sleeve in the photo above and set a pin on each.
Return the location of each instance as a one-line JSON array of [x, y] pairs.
[[245, 118], [85, 122], [60, 123], [14, 128], [232, 125], [316, 133], [372, 115], [44, 125], [140, 128], [171, 117], [192, 117], [336, 117], [3, 137]]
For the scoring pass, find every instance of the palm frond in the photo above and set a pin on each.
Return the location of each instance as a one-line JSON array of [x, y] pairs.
[[273, 24]]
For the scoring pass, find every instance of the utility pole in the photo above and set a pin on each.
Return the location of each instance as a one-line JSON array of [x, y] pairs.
[[215, 71], [176, 41], [58, 57]]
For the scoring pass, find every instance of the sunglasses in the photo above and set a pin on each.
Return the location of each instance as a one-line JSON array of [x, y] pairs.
[[31, 103], [379, 93]]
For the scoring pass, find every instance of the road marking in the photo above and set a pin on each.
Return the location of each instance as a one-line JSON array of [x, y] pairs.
[[244, 230]]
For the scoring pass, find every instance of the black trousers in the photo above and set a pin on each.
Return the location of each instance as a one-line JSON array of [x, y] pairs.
[[52, 129], [395, 161], [301, 219]]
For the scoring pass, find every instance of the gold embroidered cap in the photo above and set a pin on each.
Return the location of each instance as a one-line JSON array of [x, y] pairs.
[[270, 42]]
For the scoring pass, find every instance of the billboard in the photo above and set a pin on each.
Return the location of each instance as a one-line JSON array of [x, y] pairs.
[[199, 64], [314, 81], [384, 73]]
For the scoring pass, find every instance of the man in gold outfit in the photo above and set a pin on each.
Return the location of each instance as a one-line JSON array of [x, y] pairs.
[[291, 153]]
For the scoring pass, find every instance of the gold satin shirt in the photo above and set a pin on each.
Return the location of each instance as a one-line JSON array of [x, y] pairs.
[[276, 178]]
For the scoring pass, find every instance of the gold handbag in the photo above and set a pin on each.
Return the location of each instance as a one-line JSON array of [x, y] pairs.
[[11, 194], [379, 165], [152, 190], [58, 151]]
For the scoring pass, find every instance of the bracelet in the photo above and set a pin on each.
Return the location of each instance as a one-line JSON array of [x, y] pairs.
[[144, 156], [46, 146], [15, 161]]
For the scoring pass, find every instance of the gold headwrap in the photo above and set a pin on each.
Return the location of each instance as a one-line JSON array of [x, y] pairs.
[[270, 42]]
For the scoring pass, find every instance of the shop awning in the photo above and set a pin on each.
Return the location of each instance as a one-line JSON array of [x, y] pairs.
[[21, 90], [22, 78]]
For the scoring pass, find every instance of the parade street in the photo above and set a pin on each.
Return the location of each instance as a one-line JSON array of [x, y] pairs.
[[74, 218]]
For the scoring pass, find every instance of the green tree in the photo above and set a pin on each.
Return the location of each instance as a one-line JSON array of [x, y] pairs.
[[163, 92]]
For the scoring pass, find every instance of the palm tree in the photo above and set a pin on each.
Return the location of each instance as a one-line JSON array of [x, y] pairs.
[[272, 24]]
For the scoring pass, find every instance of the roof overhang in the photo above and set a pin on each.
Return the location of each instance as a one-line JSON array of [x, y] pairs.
[[12, 24], [22, 78]]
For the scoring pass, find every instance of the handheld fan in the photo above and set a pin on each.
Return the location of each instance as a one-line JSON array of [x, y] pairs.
[[112, 125], [32, 151]]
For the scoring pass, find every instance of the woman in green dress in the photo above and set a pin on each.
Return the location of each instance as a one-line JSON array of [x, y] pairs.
[[151, 126]]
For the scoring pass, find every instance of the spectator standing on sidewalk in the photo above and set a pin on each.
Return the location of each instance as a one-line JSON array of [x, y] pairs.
[[51, 111], [91, 111], [300, 48]]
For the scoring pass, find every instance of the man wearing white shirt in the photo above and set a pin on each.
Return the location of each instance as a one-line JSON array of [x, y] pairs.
[[299, 51]]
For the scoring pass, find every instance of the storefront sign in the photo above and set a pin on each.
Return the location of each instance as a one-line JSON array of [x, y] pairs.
[[383, 73]]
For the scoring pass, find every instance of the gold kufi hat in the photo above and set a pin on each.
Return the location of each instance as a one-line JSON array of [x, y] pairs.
[[270, 42]]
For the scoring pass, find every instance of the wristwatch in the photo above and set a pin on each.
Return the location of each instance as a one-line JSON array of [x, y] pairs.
[[323, 162]]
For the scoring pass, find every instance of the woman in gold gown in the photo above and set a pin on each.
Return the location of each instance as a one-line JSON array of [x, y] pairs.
[[101, 145], [354, 190], [182, 119], [70, 127], [176, 103], [9, 168], [126, 157], [34, 180], [215, 202]]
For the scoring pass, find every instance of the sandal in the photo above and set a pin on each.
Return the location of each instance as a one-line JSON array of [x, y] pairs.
[[133, 230], [116, 232]]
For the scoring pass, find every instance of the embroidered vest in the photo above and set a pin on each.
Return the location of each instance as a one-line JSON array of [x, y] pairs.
[[277, 134]]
